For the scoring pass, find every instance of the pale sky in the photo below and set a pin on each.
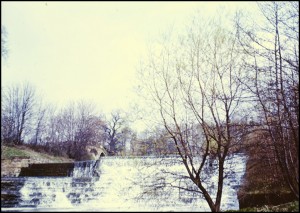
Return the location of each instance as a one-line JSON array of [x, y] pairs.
[[87, 50]]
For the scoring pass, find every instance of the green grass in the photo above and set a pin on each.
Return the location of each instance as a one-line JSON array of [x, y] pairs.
[[10, 152]]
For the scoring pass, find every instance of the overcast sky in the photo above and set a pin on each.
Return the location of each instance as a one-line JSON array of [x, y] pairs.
[[87, 50]]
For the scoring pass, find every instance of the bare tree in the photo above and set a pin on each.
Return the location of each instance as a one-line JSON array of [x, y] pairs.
[[73, 128], [113, 129], [4, 49], [86, 131], [69, 118], [17, 108], [40, 124], [273, 67], [194, 83]]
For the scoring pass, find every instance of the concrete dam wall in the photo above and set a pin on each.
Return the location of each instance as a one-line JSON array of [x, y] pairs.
[[74, 169], [47, 169]]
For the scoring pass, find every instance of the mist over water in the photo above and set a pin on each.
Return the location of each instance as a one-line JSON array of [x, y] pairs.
[[129, 184]]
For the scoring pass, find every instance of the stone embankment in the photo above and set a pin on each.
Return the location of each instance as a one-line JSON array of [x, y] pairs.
[[12, 167], [11, 164]]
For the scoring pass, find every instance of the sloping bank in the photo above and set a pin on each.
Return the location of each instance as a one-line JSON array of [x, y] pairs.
[[13, 158], [259, 188]]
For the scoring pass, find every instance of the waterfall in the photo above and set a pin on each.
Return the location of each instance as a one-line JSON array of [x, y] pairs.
[[130, 184], [86, 169]]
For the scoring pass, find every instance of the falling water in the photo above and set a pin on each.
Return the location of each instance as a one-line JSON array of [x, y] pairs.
[[86, 169], [128, 184]]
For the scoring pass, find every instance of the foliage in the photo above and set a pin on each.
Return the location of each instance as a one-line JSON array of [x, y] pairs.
[[287, 207]]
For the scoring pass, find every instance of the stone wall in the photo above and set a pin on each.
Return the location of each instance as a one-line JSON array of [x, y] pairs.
[[12, 167]]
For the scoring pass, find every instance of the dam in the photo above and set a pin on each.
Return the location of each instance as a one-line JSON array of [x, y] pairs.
[[120, 184]]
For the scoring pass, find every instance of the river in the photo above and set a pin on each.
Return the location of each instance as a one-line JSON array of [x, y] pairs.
[[125, 184]]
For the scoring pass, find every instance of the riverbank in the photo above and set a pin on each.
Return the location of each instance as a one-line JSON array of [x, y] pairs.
[[9, 152], [286, 207], [13, 158]]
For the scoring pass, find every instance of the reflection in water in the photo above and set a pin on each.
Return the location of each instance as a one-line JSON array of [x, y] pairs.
[[128, 184]]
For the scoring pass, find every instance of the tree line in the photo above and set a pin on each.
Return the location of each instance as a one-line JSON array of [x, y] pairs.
[[222, 88], [66, 131]]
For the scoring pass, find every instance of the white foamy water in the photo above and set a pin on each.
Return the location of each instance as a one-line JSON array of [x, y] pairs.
[[130, 184]]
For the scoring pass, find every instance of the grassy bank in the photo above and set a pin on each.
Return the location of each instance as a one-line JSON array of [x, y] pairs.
[[8, 152]]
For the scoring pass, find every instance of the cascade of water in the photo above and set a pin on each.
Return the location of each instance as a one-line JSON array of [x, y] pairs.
[[154, 184], [57, 192], [83, 169], [133, 184], [46, 192]]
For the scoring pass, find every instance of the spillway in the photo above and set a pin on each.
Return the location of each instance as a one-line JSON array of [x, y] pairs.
[[123, 184]]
